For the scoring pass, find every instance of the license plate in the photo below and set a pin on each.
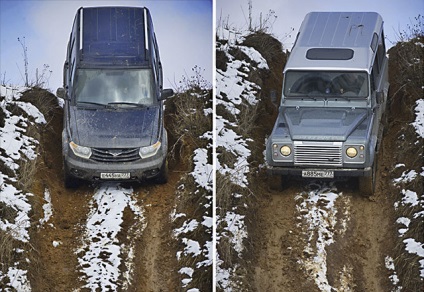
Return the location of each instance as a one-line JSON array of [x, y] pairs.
[[318, 173], [115, 175]]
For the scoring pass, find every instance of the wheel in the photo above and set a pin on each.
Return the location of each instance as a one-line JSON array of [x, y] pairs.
[[367, 183], [162, 177], [69, 180]]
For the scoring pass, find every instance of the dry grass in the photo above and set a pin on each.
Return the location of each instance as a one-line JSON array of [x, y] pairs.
[[7, 246], [186, 121], [247, 119], [25, 175], [189, 122], [406, 73]]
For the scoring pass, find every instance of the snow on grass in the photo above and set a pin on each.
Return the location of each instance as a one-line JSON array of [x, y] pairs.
[[17, 201], [394, 279], [16, 147], [406, 177], [101, 254], [18, 280], [418, 124], [202, 172], [193, 226], [413, 203], [13, 138], [317, 213], [234, 92], [236, 230], [409, 198], [415, 247]]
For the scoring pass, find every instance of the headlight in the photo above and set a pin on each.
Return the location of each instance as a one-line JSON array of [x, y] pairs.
[[285, 150], [149, 151], [81, 151], [351, 152]]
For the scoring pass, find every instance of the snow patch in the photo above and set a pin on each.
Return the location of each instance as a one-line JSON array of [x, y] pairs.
[[101, 253], [317, 209]]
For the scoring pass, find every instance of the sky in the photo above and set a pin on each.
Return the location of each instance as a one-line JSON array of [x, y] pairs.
[[289, 14], [184, 30]]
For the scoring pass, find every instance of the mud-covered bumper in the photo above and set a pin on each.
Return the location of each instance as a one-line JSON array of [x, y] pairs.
[[92, 171], [338, 172]]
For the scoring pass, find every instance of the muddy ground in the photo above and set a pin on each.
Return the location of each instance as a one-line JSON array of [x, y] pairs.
[[57, 268]]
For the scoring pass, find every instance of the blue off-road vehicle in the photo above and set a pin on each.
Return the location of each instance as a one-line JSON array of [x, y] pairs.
[[113, 114]]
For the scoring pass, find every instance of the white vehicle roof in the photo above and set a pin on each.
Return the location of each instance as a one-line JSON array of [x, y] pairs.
[[336, 41]]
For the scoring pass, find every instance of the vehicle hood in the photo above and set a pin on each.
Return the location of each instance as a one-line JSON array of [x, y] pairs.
[[325, 124], [115, 128]]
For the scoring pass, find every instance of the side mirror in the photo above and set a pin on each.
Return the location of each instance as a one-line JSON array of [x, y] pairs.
[[166, 93], [60, 92], [379, 97]]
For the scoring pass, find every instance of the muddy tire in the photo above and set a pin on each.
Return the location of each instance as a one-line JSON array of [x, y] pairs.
[[70, 181], [162, 177], [367, 183]]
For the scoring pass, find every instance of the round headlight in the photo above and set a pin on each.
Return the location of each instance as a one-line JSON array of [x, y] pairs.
[[351, 152], [285, 150]]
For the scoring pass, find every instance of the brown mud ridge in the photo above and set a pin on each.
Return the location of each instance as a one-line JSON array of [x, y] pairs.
[[55, 264]]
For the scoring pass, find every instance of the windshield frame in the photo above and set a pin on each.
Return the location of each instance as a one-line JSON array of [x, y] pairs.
[[114, 87], [326, 84]]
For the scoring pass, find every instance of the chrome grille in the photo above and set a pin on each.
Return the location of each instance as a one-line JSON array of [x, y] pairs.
[[115, 155], [317, 155]]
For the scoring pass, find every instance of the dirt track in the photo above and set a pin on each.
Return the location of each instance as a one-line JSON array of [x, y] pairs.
[[355, 261], [58, 268], [362, 236]]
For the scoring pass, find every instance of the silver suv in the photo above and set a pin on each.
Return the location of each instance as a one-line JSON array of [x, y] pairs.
[[332, 109]]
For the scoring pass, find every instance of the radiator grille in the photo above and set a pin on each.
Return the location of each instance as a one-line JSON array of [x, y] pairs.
[[318, 155], [115, 155]]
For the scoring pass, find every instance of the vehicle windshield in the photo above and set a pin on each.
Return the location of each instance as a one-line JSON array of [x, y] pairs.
[[326, 84], [114, 86]]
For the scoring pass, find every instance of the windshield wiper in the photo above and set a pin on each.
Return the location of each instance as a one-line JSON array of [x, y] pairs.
[[93, 103], [127, 103]]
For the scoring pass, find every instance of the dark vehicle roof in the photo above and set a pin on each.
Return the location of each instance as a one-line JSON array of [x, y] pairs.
[[115, 35]]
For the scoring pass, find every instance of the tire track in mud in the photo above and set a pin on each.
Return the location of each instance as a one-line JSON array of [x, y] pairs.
[[332, 238], [106, 259], [275, 243], [155, 261], [108, 238]]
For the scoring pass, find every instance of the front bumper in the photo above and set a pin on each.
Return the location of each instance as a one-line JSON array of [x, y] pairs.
[[338, 172], [91, 171]]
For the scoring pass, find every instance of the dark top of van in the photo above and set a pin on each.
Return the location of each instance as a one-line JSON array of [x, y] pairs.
[[115, 36], [336, 40]]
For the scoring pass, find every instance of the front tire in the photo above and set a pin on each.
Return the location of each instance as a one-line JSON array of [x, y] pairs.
[[163, 176], [367, 183], [70, 181]]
